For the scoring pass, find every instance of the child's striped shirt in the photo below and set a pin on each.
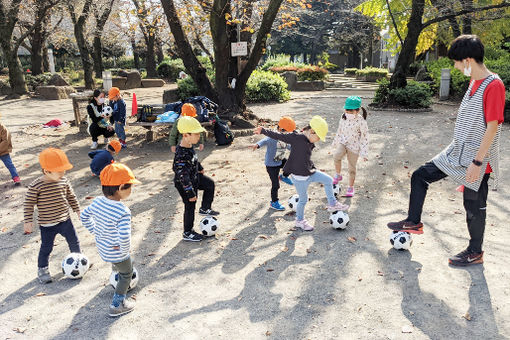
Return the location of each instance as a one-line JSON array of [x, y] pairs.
[[110, 222], [52, 199]]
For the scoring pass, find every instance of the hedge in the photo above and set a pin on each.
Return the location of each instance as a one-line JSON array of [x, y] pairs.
[[372, 73], [415, 95], [312, 73], [351, 72]]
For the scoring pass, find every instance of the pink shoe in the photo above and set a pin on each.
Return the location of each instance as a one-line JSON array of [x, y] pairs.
[[337, 179], [460, 188], [304, 225], [338, 206], [350, 192], [17, 181]]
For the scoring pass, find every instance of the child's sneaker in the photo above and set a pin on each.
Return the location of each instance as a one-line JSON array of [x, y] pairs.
[[277, 206], [285, 179], [44, 275], [337, 206], [94, 145], [337, 179], [466, 258], [350, 192], [126, 306], [304, 225], [17, 181], [192, 236], [208, 212]]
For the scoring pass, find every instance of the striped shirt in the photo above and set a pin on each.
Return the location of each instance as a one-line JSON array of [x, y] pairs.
[[110, 223], [52, 199]]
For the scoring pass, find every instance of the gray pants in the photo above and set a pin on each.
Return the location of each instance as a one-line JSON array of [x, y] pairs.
[[125, 269]]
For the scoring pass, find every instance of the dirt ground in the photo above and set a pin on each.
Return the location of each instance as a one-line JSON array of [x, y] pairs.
[[259, 278]]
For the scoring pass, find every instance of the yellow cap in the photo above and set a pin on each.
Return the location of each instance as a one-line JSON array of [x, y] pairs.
[[189, 125], [320, 126]]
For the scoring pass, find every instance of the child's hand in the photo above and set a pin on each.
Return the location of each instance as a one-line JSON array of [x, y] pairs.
[[193, 199], [173, 147], [28, 227], [200, 147], [253, 147], [257, 130], [78, 213], [116, 248], [202, 171]]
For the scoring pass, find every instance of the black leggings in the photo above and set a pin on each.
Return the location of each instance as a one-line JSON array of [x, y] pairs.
[[274, 172], [207, 185], [475, 202], [96, 131]]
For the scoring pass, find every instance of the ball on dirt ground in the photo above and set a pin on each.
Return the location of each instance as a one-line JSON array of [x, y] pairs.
[[209, 226], [339, 219], [293, 201], [75, 265], [336, 190], [401, 240], [114, 279]]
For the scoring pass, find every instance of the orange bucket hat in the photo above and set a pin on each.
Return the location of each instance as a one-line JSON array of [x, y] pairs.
[[53, 159], [287, 123], [115, 145], [117, 174], [113, 92], [188, 110]]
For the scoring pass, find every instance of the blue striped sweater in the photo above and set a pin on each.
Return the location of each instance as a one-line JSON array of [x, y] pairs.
[[110, 223]]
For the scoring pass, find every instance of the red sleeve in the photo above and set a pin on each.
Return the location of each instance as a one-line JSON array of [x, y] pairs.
[[494, 101]]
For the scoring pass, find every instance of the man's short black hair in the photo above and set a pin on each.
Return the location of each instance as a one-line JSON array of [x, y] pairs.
[[110, 190], [467, 46]]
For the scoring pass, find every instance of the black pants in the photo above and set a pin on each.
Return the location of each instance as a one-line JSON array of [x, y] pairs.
[[207, 185], [96, 131], [274, 172], [48, 234], [475, 203]]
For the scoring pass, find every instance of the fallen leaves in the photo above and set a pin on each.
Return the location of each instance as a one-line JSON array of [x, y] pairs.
[[467, 316], [40, 294], [380, 273], [19, 330], [351, 239], [285, 249]]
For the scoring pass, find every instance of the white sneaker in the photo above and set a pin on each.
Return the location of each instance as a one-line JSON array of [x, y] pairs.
[[106, 140], [94, 145]]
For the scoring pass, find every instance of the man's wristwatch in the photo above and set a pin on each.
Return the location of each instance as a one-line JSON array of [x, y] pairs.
[[477, 163]]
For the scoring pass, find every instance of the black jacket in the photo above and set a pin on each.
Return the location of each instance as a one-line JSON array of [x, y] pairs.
[[186, 168]]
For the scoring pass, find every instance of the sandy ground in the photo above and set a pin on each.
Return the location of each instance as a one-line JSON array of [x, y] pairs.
[[259, 278]]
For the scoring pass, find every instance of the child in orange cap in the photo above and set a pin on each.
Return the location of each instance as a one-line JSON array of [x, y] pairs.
[[101, 158], [5, 150], [174, 138], [275, 160], [109, 220], [119, 114], [53, 195]]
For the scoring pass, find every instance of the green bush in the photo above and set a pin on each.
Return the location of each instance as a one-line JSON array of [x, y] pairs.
[[39, 80], [170, 69], [501, 67], [123, 62], [264, 86], [279, 60], [372, 73], [325, 63], [414, 96], [351, 72], [187, 88], [459, 82], [312, 73]]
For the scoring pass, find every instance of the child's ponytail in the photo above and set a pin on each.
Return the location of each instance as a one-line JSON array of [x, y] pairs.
[[364, 113]]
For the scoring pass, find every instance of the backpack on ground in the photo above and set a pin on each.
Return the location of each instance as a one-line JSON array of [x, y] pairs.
[[222, 133]]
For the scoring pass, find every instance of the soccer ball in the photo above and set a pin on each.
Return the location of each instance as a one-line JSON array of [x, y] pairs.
[[337, 189], [114, 279], [339, 219], [107, 111], [75, 265], [209, 225], [293, 202], [401, 240]]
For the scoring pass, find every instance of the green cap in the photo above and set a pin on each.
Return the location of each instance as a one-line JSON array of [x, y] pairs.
[[352, 103]]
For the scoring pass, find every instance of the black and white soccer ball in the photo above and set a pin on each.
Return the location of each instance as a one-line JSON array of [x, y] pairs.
[[401, 240], [114, 279], [339, 219], [293, 201], [209, 225], [336, 190], [107, 111], [75, 265]]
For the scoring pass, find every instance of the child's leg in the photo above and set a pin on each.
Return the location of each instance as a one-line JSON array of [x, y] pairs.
[[273, 172], [125, 269], [9, 165], [352, 159], [119, 130], [337, 157], [301, 188], [327, 181], [189, 209], [47, 239], [67, 230], [207, 184]]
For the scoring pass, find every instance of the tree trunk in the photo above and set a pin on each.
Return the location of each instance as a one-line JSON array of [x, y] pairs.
[[97, 55], [46, 60], [16, 77], [85, 57], [136, 55], [466, 21], [407, 53], [36, 54], [160, 55], [150, 61]]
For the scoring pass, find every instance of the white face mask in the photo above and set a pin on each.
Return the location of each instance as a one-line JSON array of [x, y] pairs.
[[100, 100], [467, 70], [350, 116]]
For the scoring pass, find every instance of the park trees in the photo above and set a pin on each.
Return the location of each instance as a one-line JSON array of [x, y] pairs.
[[418, 21], [101, 10]]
